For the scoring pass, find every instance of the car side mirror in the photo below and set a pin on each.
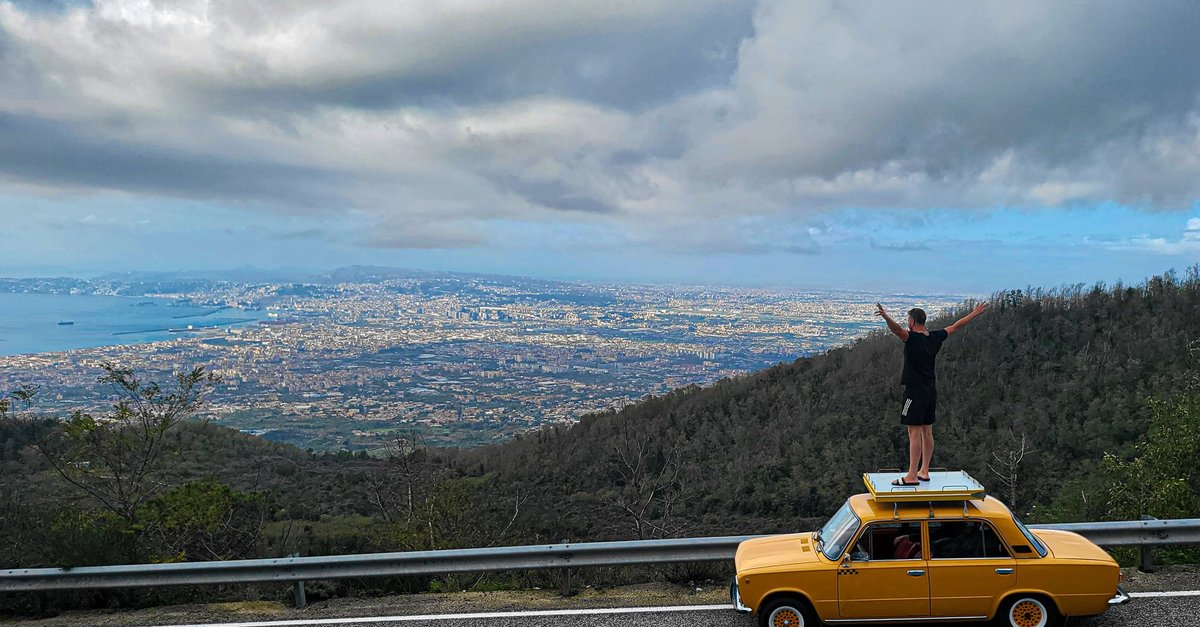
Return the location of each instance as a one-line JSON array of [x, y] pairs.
[[846, 560]]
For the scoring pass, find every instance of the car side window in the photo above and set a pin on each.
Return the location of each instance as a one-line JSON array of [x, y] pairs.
[[960, 539], [889, 541]]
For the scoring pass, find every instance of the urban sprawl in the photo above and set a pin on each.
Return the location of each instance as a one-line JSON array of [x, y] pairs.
[[459, 359]]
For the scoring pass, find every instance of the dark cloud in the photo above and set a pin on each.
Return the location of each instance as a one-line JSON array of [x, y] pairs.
[[628, 68], [898, 245], [308, 234], [59, 154], [553, 194]]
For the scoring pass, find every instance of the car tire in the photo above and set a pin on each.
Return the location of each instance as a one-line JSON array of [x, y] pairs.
[[1028, 610], [787, 612]]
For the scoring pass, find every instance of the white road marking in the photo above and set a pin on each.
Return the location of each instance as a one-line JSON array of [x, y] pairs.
[[1177, 593], [404, 619], [579, 612]]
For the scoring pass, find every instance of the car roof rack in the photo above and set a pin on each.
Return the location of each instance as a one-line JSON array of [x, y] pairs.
[[947, 485]]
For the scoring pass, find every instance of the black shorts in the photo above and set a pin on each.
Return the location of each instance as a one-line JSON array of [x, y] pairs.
[[920, 404]]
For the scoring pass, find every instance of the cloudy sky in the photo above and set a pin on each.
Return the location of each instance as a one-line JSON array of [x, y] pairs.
[[866, 145]]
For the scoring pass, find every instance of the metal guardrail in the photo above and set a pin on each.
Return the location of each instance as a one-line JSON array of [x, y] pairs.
[[290, 569], [1146, 532], [1143, 533]]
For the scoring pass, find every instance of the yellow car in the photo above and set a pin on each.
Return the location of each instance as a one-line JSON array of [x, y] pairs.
[[941, 551]]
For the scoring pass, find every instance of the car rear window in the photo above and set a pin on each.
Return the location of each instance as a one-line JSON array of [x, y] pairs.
[[1037, 544]]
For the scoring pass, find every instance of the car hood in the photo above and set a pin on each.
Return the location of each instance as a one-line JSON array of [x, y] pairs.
[[1068, 545], [773, 551]]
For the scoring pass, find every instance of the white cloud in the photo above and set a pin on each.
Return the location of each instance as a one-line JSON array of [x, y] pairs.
[[1187, 244], [1162, 246]]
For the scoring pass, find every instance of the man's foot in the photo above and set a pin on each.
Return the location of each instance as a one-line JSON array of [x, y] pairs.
[[904, 482], [920, 478]]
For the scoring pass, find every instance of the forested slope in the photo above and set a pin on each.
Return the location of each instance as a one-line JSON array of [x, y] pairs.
[[1070, 370]]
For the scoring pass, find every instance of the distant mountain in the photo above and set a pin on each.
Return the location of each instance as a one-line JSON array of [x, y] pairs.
[[294, 281], [375, 274], [240, 274]]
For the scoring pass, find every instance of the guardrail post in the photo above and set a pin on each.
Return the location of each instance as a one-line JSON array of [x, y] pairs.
[[298, 588], [1146, 559], [566, 577]]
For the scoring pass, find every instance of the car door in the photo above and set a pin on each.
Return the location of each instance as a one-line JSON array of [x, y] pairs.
[[969, 567], [886, 576]]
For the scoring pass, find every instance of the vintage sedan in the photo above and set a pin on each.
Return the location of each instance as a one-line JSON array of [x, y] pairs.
[[943, 551]]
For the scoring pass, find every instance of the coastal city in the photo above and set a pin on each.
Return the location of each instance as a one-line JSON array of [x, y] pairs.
[[348, 361]]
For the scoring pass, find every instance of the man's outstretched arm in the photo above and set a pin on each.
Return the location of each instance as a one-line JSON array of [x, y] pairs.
[[900, 331], [950, 330]]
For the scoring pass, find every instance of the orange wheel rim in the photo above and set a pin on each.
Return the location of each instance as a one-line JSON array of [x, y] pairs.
[[1027, 614], [786, 617]]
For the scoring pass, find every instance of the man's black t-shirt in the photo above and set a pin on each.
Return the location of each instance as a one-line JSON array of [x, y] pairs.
[[919, 351]]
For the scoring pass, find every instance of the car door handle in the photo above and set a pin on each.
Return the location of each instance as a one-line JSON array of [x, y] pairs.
[[1004, 571], [915, 573]]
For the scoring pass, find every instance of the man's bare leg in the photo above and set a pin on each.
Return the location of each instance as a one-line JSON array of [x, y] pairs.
[[926, 446], [916, 442]]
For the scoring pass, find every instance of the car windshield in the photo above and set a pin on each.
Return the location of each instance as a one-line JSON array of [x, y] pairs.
[[838, 531], [1037, 544]]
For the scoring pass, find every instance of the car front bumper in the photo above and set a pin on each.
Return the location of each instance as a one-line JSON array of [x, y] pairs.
[[736, 598], [1120, 598]]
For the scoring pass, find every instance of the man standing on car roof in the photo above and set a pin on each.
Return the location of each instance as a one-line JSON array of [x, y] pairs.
[[920, 385]]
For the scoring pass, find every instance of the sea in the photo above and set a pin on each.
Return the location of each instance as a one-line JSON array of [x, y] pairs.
[[29, 323]]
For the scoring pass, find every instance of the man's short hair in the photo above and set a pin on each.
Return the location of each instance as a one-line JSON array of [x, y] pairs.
[[917, 314]]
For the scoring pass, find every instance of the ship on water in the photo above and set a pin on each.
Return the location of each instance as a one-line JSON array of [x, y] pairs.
[[65, 323]]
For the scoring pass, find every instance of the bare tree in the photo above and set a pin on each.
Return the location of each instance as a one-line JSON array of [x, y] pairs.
[[519, 498], [654, 481], [1006, 465], [395, 488]]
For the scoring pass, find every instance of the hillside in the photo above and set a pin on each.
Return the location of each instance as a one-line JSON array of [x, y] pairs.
[[1070, 370], [1075, 372]]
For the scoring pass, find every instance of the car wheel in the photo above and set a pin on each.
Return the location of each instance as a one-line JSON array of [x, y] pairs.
[[787, 612], [1027, 611]]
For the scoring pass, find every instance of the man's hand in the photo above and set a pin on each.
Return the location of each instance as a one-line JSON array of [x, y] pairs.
[[891, 324], [952, 329]]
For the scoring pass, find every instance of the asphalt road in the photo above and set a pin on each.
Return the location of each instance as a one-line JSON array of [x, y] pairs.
[[1172, 611]]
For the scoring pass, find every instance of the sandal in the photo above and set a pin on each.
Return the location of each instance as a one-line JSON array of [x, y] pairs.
[[920, 478], [901, 482]]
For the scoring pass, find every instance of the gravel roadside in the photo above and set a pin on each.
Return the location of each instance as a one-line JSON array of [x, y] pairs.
[[643, 595]]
